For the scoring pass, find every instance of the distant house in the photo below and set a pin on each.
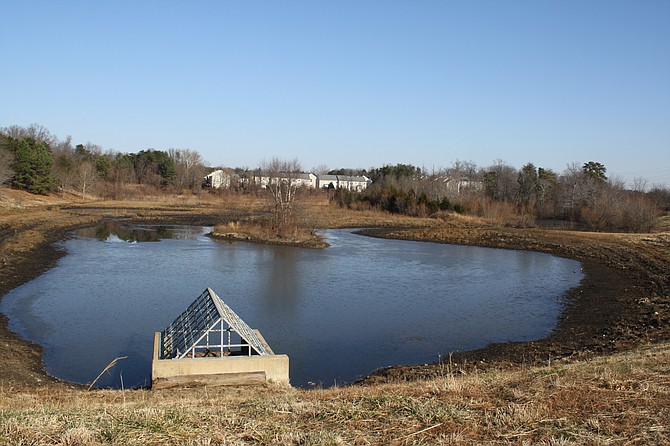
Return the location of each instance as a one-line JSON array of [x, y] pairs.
[[301, 179], [348, 182], [218, 179], [456, 187], [262, 179]]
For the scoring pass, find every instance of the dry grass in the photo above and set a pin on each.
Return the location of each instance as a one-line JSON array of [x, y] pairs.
[[316, 212], [663, 224], [621, 399]]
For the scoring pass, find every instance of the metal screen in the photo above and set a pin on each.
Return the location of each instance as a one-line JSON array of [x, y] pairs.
[[209, 327]]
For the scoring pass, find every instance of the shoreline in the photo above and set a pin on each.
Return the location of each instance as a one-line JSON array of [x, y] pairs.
[[621, 303], [616, 307]]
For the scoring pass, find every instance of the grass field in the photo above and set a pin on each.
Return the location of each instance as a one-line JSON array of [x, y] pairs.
[[619, 399]]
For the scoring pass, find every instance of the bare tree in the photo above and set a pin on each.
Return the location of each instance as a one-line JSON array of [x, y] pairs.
[[580, 190], [35, 131], [528, 184], [282, 188], [65, 164], [189, 168], [639, 184], [500, 181], [547, 192], [461, 180], [321, 169], [87, 176]]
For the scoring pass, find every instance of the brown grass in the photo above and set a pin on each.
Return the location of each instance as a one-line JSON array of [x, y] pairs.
[[621, 399], [663, 224]]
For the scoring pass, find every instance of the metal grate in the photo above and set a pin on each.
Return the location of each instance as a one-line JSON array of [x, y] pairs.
[[200, 328]]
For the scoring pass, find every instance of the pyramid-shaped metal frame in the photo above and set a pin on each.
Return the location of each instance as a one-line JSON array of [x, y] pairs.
[[205, 316]]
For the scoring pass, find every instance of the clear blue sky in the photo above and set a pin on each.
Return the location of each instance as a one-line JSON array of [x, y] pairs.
[[349, 83]]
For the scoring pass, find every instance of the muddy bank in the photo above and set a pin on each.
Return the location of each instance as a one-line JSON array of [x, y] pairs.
[[622, 302]]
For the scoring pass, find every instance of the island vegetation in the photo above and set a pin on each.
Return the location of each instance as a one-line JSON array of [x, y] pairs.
[[599, 378]]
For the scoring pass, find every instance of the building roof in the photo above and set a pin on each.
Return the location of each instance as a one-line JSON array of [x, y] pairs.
[[358, 178], [203, 320], [327, 177]]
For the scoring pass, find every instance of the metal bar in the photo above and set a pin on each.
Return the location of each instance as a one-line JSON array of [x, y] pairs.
[[201, 337]]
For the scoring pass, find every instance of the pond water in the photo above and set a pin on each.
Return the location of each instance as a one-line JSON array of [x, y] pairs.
[[339, 313]]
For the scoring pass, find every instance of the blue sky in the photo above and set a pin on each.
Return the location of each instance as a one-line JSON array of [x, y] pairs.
[[349, 83]]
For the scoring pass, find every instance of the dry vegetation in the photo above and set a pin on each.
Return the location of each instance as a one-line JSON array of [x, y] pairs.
[[620, 399]]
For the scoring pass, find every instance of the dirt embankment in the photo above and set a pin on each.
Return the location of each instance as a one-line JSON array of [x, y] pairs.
[[622, 302]]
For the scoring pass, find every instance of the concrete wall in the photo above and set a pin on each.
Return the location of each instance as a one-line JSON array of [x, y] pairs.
[[229, 370]]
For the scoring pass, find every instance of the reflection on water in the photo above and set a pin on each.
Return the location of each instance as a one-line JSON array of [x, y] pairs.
[[339, 313], [122, 231]]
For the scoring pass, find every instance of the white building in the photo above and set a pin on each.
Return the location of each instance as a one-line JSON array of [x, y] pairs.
[[348, 182], [218, 179], [294, 179]]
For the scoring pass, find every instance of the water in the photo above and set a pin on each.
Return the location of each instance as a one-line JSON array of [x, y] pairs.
[[339, 313]]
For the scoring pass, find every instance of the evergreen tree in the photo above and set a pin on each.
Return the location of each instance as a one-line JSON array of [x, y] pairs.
[[32, 165]]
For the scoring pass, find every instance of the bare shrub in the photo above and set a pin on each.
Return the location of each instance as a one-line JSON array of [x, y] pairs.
[[503, 213]]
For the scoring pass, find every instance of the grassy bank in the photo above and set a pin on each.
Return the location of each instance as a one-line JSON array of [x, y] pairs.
[[619, 399]]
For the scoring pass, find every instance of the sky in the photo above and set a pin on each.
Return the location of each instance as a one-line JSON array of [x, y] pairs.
[[349, 83]]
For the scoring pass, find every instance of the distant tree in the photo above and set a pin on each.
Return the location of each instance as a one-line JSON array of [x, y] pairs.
[[189, 168], [595, 170], [398, 172], [34, 131], [321, 169], [500, 181], [154, 167], [547, 192], [117, 169], [88, 151], [32, 165], [527, 185], [103, 165], [660, 195], [282, 188], [458, 182], [343, 171], [64, 170], [87, 176], [32, 158]]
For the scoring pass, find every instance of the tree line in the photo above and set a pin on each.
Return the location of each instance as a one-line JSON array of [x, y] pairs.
[[33, 159], [580, 196]]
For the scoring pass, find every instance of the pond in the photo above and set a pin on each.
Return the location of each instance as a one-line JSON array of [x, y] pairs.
[[339, 313]]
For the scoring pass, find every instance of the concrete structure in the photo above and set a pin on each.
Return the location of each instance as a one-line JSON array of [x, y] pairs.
[[208, 344], [217, 371]]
